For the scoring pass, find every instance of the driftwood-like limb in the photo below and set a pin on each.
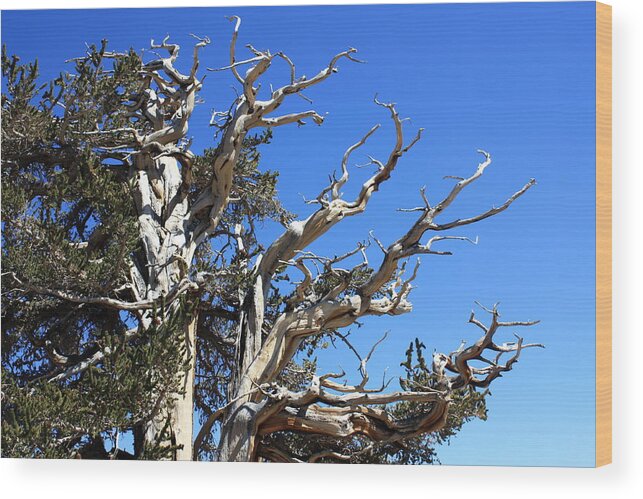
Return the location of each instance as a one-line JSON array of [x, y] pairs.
[[489, 213], [463, 183], [355, 412], [337, 185], [233, 46]]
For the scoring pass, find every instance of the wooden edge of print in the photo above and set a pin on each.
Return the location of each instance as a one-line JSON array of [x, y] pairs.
[[603, 234]]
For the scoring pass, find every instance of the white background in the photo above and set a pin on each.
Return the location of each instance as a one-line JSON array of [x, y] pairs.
[[623, 478]]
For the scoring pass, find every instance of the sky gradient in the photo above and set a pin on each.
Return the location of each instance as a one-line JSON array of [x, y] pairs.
[[514, 79]]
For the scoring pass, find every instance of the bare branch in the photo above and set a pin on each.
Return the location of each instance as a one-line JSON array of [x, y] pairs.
[[464, 182], [94, 359], [182, 287], [336, 186], [233, 44], [493, 211], [291, 118]]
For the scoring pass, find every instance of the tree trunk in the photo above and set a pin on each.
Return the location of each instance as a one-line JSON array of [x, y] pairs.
[[237, 442], [162, 209], [183, 413], [181, 416]]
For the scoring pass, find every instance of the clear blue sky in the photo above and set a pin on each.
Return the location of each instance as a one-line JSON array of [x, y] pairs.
[[514, 79]]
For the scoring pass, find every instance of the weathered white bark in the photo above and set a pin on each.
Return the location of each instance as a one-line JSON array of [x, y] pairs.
[[162, 229], [181, 413]]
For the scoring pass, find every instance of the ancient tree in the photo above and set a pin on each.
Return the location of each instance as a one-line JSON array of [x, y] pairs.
[[138, 300]]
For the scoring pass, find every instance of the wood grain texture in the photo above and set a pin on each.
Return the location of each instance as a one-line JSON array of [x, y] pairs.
[[603, 234]]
